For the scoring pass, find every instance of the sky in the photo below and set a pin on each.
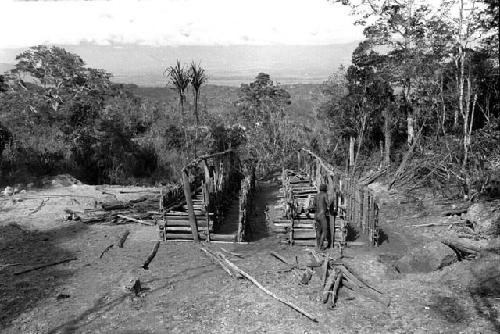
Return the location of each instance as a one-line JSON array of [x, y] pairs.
[[175, 22]]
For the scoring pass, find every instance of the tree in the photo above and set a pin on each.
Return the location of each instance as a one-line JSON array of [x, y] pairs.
[[357, 98], [262, 107], [197, 78], [179, 78]]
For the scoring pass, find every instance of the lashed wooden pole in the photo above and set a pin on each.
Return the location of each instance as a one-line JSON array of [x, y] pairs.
[[189, 203]]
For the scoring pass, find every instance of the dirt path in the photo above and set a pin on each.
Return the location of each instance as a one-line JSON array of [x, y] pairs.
[[183, 292]]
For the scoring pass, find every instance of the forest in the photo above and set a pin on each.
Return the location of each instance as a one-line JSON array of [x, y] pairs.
[[420, 101]]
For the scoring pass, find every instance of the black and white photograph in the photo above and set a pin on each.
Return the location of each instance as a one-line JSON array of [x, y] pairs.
[[236, 166]]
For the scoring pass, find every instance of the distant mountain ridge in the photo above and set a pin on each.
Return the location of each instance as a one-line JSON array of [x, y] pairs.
[[4, 67], [225, 65]]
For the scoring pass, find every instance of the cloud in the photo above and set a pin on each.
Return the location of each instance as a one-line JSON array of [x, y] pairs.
[[175, 22]]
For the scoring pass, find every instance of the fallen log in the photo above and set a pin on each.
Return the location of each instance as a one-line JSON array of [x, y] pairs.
[[139, 191], [324, 270], [151, 256], [328, 286], [105, 250], [437, 224], [122, 238], [461, 246], [135, 220], [260, 286], [138, 200], [114, 206], [45, 266], [333, 298]]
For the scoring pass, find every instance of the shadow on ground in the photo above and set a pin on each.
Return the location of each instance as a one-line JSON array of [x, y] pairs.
[[266, 193], [21, 249]]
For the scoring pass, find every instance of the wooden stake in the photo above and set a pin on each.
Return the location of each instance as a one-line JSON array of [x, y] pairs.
[[151, 256], [189, 203], [122, 238], [281, 258], [105, 250]]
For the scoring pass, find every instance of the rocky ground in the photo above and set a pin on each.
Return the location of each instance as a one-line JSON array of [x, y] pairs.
[[184, 292]]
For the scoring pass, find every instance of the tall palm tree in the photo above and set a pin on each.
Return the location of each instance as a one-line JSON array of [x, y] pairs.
[[198, 78], [179, 77]]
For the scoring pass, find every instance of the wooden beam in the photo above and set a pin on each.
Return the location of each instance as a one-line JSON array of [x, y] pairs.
[[189, 202]]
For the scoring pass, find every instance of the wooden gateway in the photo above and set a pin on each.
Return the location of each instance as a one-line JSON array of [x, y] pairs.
[[209, 184]]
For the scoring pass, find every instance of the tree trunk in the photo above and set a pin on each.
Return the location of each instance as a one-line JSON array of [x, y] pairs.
[[461, 61], [387, 137], [181, 103], [351, 151], [196, 94], [411, 129]]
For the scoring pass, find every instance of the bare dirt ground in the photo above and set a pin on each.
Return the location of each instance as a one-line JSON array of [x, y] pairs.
[[183, 292]]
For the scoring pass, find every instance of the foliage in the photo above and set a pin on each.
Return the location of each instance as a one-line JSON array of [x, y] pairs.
[[262, 107], [424, 68], [64, 117]]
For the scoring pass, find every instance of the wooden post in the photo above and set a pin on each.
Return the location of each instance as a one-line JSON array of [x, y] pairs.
[[318, 173], [189, 203], [351, 152], [366, 210]]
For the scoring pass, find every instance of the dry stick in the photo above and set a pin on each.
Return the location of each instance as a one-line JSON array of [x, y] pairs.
[[365, 292], [151, 256], [221, 256], [217, 260], [135, 220], [260, 286], [45, 265], [39, 206], [331, 302], [9, 265], [231, 253], [122, 238], [281, 258], [105, 250], [355, 280]]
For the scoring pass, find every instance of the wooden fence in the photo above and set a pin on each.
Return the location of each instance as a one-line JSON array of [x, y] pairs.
[[355, 203], [208, 183]]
